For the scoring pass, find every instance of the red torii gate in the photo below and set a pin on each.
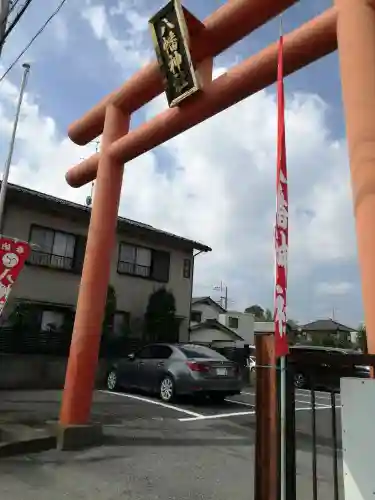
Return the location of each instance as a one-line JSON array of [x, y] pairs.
[[351, 23]]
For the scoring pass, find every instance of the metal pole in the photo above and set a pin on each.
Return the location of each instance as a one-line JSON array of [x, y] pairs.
[[4, 182], [191, 291], [226, 297], [282, 429], [282, 389]]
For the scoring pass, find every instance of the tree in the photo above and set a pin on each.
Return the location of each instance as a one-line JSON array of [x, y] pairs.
[[362, 338], [110, 309], [268, 315], [257, 311], [293, 324], [161, 324], [344, 341]]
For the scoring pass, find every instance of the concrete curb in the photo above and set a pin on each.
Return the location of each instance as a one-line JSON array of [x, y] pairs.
[[77, 437], [18, 439], [32, 445]]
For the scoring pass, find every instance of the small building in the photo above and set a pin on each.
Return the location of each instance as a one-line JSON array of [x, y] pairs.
[[144, 259], [269, 327], [211, 323], [328, 331]]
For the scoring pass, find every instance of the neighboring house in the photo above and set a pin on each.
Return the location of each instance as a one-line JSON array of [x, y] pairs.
[[269, 327], [212, 331], [322, 329], [212, 323], [204, 308], [144, 259]]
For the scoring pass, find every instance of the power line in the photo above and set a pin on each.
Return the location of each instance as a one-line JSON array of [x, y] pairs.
[[16, 19], [56, 11], [12, 6]]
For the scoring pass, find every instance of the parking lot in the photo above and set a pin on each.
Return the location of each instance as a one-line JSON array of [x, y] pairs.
[[184, 450], [233, 408]]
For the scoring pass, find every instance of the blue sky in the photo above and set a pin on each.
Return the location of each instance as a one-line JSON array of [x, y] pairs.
[[214, 183]]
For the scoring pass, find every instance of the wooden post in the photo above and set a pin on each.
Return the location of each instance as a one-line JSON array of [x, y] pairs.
[[267, 442]]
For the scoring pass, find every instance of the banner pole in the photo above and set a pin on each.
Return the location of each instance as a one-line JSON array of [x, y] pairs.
[[282, 428], [282, 387]]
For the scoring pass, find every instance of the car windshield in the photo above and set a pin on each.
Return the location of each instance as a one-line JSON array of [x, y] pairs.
[[198, 351]]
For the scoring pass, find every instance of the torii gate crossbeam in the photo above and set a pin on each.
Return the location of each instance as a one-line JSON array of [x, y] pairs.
[[310, 42]]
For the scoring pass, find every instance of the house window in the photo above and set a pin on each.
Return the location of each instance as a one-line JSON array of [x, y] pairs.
[[53, 248], [52, 320], [187, 268], [134, 260], [143, 262], [232, 322], [196, 316]]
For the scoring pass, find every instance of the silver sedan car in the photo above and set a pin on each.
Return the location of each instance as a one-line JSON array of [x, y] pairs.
[[171, 370]]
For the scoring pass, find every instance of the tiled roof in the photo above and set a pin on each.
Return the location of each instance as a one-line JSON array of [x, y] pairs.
[[215, 324], [207, 300], [121, 220], [326, 325]]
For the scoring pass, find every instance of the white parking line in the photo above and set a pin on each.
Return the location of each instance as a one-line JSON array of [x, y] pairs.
[[307, 402], [319, 395], [154, 402], [309, 408], [304, 393], [321, 400], [220, 415], [239, 402], [241, 413]]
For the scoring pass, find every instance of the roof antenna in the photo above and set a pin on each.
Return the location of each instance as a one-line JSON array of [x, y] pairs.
[[90, 197]]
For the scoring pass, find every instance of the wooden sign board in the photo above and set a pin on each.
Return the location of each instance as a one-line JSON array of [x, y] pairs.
[[171, 41]]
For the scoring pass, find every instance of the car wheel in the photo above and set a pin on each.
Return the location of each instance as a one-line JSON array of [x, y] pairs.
[[299, 381], [167, 389], [112, 381]]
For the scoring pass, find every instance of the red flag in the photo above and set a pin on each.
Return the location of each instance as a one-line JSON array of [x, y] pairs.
[[282, 215], [13, 255]]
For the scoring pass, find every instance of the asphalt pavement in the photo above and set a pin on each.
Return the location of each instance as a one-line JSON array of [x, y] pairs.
[[185, 450]]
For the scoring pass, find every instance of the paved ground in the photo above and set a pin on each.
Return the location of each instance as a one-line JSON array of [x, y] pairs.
[[156, 451]]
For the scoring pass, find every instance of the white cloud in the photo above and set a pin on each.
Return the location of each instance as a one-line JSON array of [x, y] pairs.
[[128, 51], [340, 288], [41, 154], [215, 183]]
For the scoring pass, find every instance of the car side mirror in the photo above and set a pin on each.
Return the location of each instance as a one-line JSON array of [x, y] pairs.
[[131, 356]]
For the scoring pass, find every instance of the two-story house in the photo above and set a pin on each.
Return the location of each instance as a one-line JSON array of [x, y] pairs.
[[144, 259], [211, 323]]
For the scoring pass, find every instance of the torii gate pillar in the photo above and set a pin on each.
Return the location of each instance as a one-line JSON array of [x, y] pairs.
[[356, 44], [83, 355]]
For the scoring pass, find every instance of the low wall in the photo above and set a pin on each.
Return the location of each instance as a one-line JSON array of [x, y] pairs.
[[22, 371]]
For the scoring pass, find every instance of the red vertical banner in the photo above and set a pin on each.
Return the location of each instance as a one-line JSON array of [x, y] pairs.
[[282, 216], [13, 255]]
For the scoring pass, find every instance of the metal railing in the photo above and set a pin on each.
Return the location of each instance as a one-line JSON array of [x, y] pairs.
[[45, 259], [135, 269], [327, 389]]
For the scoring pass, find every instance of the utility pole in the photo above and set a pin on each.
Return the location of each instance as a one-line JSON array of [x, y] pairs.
[[89, 199], [4, 182], [4, 11], [223, 295]]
